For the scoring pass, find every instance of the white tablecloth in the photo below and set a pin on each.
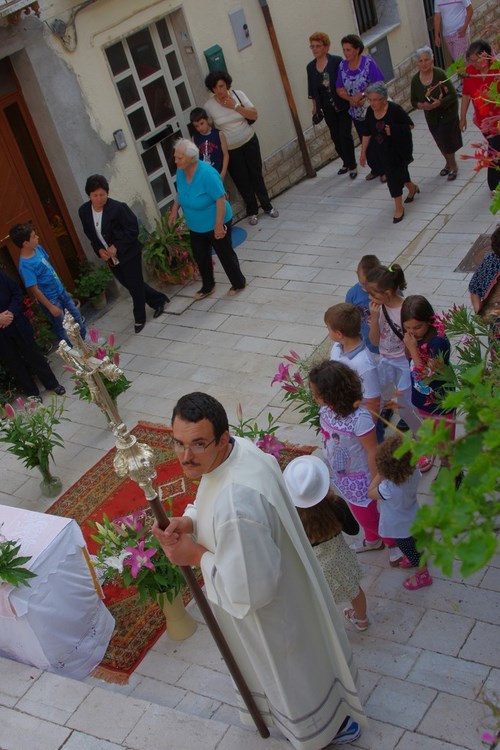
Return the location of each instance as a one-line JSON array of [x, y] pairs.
[[58, 623]]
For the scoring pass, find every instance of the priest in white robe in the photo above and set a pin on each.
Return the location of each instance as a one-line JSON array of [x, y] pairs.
[[263, 582]]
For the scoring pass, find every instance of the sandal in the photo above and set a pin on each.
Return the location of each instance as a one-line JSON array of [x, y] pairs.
[[425, 463], [405, 563], [370, 176], [452, 175], [201, 294], [234, 291], [418, 581], [444, 171], [360, 625]]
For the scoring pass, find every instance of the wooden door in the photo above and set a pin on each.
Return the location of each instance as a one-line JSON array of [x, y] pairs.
[[28, 189]]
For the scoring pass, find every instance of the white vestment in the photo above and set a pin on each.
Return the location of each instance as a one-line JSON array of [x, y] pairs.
[[272, 601]]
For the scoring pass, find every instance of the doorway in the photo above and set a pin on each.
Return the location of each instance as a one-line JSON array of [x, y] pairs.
[[28, 188]]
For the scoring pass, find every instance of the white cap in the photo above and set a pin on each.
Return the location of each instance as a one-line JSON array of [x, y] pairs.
[[308, 481]]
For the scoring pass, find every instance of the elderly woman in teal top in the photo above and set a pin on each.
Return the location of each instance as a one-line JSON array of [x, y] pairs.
[[208, 215]]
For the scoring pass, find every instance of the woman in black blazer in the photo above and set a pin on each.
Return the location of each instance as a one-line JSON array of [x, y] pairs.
[[113, 230], [321, 79]]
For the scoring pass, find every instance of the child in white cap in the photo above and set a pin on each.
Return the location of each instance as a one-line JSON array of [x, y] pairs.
[[324, 516]]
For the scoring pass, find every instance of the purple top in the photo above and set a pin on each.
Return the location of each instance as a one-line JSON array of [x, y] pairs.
[[356, 81]]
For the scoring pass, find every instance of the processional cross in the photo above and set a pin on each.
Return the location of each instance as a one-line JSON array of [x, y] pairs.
[[136, 461]]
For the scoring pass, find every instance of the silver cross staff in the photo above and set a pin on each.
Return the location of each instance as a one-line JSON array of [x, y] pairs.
[[135, 460]]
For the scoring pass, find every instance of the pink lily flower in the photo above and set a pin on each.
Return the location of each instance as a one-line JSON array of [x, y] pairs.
[[68, 368], [111, 340], [488, 737], [20, 403], [94, 335], [100, 353], [116, 358], [270, 444], [139, 558], [132, 521], [282, 374], [239, 412], [298, 378], [10, 411], [290, 388], [292, 357]]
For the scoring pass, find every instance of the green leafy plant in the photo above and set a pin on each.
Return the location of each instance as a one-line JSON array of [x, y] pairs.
[[295, 389], [30, 431], [264, 438], [129, 555], [167, 251], [462, 522], [11, 564], [92, 280], [100, 349]]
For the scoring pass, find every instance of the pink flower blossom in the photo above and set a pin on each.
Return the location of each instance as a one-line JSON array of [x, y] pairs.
[[270, 444], [20, 403], [289, 388], [116, 358], [68, 368], [298, 378], [111, 340], [10, 411], [282, 374], [132, 521], [239, 412], [490, 738], [292, 357], [139, 558], [100, 353], [94, 335]]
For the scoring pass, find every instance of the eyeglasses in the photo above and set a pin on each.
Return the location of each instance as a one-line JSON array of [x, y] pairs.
[[314, 46], [196, 448]]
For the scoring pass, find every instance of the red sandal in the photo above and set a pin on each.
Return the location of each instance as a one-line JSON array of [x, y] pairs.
[[418, 581]]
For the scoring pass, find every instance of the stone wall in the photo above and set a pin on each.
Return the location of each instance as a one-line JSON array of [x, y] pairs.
[[285, 167]]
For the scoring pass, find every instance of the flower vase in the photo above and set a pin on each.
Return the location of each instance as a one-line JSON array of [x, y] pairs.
[[180, 624], [50, 485]]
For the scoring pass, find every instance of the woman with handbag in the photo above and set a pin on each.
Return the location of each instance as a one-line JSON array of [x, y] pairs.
[[322, 75], [232, 112]]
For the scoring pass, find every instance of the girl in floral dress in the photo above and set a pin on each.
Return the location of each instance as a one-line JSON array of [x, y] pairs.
[[349, 445]]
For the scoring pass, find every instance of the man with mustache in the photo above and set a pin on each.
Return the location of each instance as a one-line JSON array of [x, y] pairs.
[[262, 581]]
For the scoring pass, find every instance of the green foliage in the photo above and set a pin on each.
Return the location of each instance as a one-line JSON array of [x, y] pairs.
[[295, 389], [462, 520], [100, 349], [92, 280], [167, 251], [263, 437], [11, 563], [30, 431]]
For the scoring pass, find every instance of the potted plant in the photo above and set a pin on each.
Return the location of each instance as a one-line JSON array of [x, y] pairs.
[[167, 252], [91, 283], [100, 349], [129, 555], [32, 438]]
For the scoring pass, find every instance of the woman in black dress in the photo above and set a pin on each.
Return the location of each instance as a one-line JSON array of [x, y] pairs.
[[390, 128]]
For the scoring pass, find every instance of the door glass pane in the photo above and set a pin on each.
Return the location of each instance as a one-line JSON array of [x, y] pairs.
[[183, 96], [117, 58], [173, 65], [163, 33], [139, 123], [151, 160], [167, 145], [143, 53], [158, 99], [7, 78], [128, 91], [42, 186], [160, 187]]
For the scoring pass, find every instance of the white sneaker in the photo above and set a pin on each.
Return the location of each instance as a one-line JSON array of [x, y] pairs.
[[395, 556], [253, 220], [361, 545], [273, 213]]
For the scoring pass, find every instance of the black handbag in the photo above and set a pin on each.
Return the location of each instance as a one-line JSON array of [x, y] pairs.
[[250, 122]]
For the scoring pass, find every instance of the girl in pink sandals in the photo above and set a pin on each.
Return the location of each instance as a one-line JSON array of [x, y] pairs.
[[395, 485]]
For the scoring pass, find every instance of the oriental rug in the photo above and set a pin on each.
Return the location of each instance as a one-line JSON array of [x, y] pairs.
[[99, 492]]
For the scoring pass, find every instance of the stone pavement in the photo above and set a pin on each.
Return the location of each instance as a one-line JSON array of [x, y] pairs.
[[428, 655]]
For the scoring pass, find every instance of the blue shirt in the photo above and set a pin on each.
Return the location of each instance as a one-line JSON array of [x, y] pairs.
[[359, 297], [38, 271], [198, 197]]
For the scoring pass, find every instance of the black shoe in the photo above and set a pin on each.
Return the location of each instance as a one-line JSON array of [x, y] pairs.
[[60, 390], [160, 309], [138, 327], [387, 414], [397, 219], [343, 170], [402, 426]]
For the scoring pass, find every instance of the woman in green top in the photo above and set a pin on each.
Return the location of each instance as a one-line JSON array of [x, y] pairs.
[[432, 92]]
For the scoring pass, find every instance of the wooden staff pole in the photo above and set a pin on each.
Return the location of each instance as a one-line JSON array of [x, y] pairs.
[[310, 171]]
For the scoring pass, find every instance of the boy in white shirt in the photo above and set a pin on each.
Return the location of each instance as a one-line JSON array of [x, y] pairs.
[[344, 328]]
